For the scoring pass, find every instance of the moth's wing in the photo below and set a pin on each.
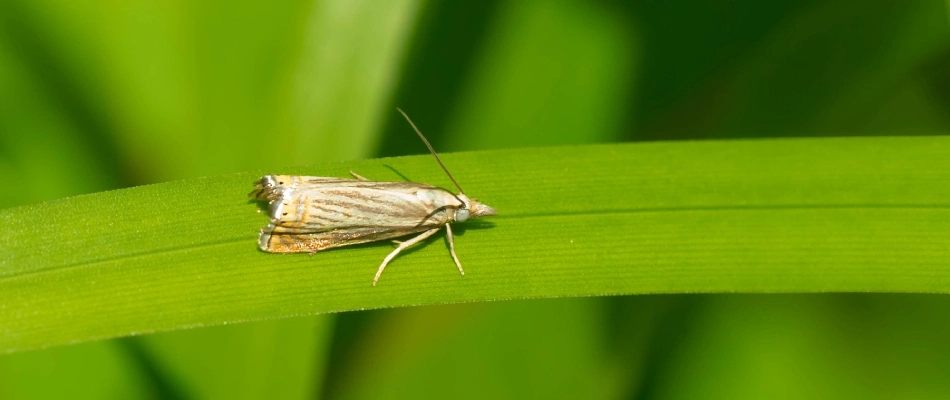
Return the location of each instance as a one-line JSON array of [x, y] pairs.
[[271, 187], [328, 205], [287, 242], [325, 214]]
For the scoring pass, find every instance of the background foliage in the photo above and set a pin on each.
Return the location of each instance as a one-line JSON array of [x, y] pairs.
[[99, 95]]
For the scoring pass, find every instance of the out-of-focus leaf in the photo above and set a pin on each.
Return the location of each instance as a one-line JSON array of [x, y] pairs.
[[816, 69], [280, 359], [525, 349], [843, 346], [44, 152], [101, 370], [219, 86], [579, 57]]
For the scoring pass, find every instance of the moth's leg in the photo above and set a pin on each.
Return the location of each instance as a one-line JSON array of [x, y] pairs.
[[422, 236], [451, 239], [358, 176]]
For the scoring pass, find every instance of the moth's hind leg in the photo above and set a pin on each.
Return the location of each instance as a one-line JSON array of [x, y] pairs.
[[402, 246], [451, 239], [358, 176]]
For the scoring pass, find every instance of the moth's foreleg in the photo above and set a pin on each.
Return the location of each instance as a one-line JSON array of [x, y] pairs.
[[422, 236], [451, 239], [358, 176]]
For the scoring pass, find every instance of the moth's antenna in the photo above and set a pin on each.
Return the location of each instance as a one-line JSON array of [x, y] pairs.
[[430, 149]]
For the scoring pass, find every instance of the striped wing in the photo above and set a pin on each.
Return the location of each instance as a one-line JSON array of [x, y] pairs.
[[310, 214]]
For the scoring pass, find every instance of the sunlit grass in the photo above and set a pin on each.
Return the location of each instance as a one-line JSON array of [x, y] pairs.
[[812, 215]]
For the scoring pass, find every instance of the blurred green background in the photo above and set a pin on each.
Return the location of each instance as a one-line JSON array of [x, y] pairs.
[[98, 95]]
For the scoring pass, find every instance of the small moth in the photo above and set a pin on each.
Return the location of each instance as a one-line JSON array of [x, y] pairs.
[[312, 213]]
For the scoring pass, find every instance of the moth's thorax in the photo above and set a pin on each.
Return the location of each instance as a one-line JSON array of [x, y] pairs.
[[443, 200]]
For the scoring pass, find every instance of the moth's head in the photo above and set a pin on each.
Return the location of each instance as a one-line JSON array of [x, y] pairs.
[[471, 208]]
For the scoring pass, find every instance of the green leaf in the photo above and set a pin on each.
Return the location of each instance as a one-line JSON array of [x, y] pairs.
[[539, 342], [279, 358], [811, 215], [95, 371], [845, 346]]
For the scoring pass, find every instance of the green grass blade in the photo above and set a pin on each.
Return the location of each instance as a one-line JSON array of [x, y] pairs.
[[812, 215]]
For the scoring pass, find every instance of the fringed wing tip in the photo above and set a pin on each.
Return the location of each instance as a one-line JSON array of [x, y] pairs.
[[263, 240], [265, 189]]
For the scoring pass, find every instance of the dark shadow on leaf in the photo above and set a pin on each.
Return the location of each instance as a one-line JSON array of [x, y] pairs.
[[458, 229], [391, 168]]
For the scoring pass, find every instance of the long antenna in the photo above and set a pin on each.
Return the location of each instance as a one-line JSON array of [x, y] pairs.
[[430, 149]]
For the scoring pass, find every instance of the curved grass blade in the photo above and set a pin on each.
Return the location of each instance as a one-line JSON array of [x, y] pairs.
[[812, 215]]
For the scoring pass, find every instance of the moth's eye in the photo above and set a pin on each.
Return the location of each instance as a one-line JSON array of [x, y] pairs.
[[461, 215]]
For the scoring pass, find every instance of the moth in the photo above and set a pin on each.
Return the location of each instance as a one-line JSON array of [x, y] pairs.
[[313, 213]]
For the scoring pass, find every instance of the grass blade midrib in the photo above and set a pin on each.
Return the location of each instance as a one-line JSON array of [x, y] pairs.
[[728, 208], [211, 244]]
